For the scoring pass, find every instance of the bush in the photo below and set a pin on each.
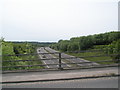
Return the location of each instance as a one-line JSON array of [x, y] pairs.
[[114, 48]]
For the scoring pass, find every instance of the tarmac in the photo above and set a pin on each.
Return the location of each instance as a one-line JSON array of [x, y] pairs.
[[58, 75]]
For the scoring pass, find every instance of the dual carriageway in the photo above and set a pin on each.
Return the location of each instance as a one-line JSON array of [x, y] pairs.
[[52, 55]]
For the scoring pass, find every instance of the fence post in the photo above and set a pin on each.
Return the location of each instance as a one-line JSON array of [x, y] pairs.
[[60, 62]]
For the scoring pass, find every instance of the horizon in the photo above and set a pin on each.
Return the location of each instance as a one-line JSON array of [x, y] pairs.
[[53, 41]]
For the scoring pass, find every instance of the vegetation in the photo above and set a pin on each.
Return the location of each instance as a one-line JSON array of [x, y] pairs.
[[16, 48], [114, 48], [85, 55], [36, 44], [108, 42]]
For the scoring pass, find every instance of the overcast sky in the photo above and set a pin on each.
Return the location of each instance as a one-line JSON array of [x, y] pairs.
[[52, 20]]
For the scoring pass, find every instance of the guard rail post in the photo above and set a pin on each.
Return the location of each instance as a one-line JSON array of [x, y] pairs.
[[60, 67]]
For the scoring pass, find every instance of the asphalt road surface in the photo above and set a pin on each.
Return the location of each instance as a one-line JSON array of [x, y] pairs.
[[76, 60], [48, 56], [109, 82]]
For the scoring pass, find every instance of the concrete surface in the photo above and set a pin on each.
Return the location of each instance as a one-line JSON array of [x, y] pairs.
[[53, 75]]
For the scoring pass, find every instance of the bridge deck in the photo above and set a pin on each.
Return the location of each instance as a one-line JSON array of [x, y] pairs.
[[52, 75]]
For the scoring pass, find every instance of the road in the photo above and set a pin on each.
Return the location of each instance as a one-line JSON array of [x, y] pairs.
[[48, 56], [108, 82], [111, 82], [76, 60]]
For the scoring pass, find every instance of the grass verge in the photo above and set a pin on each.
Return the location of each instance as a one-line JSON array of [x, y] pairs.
[[93, 59]]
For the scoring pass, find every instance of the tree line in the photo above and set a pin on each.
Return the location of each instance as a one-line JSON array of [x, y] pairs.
[[110, 41]]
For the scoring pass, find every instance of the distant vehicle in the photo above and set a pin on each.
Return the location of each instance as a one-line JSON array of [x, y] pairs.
[[43, 56]]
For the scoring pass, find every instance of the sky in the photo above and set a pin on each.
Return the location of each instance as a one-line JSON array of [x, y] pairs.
[[52, 20]]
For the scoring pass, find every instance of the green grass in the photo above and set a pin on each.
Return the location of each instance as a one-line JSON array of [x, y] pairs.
[[94, 59]]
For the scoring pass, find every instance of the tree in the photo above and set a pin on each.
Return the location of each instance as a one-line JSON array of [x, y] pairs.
[[73, 46], [114, 48]]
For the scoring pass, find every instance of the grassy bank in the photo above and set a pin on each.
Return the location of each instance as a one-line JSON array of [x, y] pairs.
[[86, 55], [15, 49], [98, 50]]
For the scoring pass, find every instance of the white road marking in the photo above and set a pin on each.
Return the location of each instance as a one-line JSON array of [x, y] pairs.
[[42, 58]]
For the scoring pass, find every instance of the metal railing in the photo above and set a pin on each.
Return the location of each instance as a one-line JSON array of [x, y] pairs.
[[62, 62]]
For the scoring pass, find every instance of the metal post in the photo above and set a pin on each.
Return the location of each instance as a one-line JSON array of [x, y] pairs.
[[60, 62]]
